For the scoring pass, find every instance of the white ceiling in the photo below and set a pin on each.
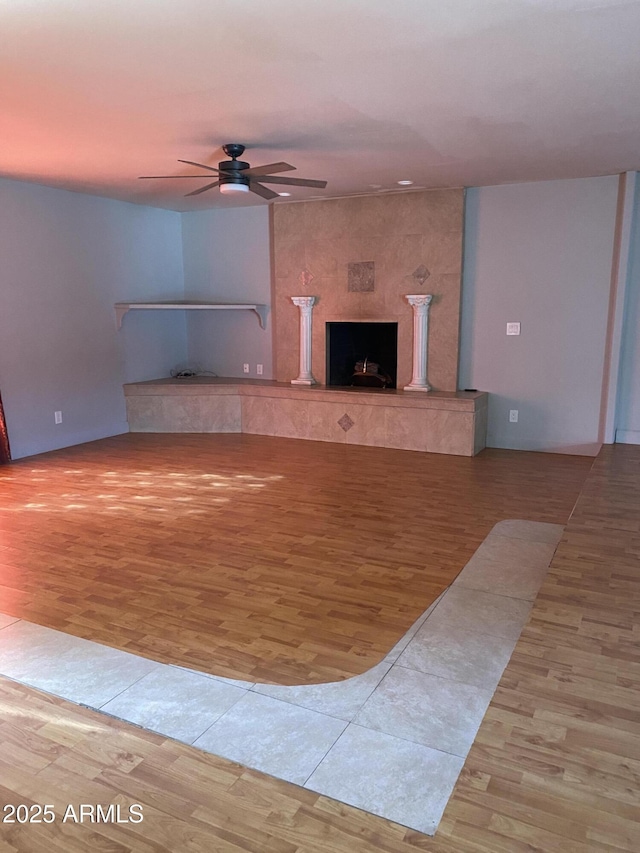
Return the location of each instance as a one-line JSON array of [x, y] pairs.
[[94, 93]]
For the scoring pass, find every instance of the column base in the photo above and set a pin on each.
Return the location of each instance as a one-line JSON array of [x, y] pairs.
[[303, 382], [417, 388]]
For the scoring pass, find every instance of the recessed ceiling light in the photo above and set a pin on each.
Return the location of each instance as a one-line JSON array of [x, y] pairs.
[[284, 193], [405, 183]]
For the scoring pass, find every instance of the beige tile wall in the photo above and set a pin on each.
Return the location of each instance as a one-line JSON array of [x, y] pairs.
[[399, 232]]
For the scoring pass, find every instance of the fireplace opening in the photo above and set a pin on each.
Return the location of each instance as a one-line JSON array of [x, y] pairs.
[[363, 355]]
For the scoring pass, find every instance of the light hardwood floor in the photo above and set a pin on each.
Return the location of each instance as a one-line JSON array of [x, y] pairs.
[[555, 766], [256, 558]]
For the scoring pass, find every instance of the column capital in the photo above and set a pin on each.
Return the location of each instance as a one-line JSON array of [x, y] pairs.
[[419, 300], [304, 301]]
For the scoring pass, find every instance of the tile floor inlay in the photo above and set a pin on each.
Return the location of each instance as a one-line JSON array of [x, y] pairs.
[[175, 703], [342, 699], [276, 737], [75, 669], [427, 709], [487, 613], [388, 776], [391, 741], [465, 656]]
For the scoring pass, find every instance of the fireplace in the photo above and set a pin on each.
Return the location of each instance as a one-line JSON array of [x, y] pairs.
[[362, 354]]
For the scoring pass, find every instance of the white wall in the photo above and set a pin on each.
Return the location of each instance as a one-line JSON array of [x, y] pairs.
[[628, 410], [226, 259], [539, 254], [65, 259]]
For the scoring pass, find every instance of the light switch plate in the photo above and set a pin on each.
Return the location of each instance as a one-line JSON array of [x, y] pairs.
[[513, 328]]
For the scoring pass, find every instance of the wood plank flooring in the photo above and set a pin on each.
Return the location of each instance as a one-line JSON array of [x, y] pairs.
[[556, 764], [257, 558], [555, 767]]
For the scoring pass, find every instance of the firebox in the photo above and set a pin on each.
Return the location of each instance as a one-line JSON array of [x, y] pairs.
[[362, 354]]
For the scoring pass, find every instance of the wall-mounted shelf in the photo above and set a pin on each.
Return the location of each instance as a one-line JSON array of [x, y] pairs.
[[123, 307]]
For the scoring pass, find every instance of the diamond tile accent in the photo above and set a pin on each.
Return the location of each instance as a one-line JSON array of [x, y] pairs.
[[345, 422], [306, 277], [421, 274]]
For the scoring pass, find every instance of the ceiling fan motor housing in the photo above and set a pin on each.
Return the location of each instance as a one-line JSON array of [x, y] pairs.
[[231, 170]]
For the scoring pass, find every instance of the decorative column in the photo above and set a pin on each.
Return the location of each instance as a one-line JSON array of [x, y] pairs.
[[420, 305], [305, 304]]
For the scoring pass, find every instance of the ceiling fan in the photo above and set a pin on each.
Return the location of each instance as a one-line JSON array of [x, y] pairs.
[[237, 176]]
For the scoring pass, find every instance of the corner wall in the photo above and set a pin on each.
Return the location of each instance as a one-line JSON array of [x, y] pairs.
[[539, 254], [66, 259], [226, 259]]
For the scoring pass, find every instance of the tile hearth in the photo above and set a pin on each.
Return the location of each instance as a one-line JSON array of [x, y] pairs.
[[435, 422], [391, 741]]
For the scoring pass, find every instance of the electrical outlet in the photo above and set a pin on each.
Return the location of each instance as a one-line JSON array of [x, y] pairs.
[[259, 369], [513, 416], [57, 416], [245, 368]]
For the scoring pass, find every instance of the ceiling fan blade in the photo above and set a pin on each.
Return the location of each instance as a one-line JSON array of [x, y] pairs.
[[265, 192], [293, 182], [158, 177], [203, 189], [200, 166], [268, 169]]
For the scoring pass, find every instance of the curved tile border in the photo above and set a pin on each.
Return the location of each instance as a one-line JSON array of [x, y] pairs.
[[391, 741]]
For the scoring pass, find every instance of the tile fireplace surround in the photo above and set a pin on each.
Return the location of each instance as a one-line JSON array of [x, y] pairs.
[[409, 243], [451, 422]]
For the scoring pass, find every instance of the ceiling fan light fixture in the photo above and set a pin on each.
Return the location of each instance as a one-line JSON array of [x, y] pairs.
[[233, 188], [237, 176]]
